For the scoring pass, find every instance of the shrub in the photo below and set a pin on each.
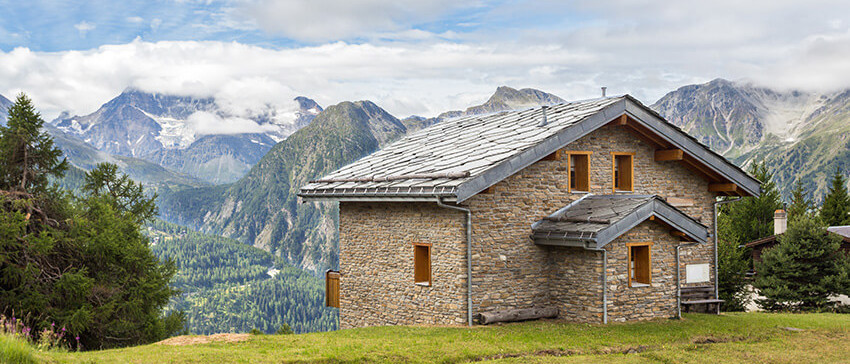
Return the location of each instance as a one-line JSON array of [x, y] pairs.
[[284, 330], [256, 331], [15, 350]]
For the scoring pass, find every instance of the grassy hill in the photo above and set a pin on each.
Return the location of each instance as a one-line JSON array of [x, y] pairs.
[[729, 338]]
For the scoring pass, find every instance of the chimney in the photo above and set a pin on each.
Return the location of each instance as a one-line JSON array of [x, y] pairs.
[[780, 222], [545, 119], [603, 90]]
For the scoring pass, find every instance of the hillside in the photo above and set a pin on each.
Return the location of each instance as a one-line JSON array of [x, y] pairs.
[[228, 286], [261, 208], [728, 338], [801, 135]]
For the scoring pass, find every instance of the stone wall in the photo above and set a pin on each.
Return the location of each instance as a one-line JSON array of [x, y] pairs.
[[376, 264], [509, 270]]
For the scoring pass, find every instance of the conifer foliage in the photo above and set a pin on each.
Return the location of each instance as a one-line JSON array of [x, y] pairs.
[[76, 261], [836, 204]]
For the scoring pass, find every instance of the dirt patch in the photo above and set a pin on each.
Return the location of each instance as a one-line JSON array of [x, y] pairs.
[[716, 340], [558, 352], [195, 340]]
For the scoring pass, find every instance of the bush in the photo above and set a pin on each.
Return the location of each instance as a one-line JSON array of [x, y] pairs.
[[256, 331], [731, 274], [15, 350], [284, 330]]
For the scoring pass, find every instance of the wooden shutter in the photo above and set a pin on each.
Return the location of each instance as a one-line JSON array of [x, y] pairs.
[[422, 264], [582, 172], [332, 289], [623, 171]]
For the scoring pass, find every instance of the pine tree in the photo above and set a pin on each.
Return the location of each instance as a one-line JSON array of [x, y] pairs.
[[752, 217], [836, 204], [27, 153], [800, 205], [804, 269]]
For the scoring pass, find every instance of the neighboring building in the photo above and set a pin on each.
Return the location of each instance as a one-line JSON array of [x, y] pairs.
[[560, 199], [780, 223]]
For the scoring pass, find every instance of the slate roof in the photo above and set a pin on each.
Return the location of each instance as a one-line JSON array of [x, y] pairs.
[[840, 230], [596, 220], [843, 231], [460, 157]]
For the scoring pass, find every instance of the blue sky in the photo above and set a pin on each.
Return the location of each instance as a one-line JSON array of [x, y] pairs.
[[414, 57]]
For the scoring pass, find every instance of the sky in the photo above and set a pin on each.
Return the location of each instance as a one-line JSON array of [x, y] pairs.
[[410, 57]]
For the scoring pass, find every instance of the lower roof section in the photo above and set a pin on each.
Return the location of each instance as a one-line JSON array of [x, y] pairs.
[[596, 220]]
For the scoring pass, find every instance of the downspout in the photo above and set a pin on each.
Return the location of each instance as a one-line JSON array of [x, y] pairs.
[[716, 263], [604, 282], [468, 256], [679, 280]]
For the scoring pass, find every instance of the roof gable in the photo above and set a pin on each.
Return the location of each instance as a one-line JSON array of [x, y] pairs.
[[462, 157], [596, 220]]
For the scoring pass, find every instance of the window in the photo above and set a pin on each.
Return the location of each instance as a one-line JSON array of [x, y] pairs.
[[332, 289], [579, 167], [640, 272], [623, 168], [422, 264]]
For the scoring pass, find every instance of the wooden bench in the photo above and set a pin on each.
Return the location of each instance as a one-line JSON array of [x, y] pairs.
[[700, 295]]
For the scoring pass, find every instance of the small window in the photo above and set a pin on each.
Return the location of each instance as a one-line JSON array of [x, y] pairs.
[[332, 289], [422, 264], [579, 167], [623, 171], [640, 272]]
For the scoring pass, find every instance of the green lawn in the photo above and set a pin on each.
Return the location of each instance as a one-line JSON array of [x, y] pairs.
[[729, 338]]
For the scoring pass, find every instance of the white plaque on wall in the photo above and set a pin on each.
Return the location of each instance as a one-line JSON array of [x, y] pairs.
[[696, 273]]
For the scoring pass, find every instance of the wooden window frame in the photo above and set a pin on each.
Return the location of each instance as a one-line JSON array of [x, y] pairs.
[[430, 275], [332, 285], [569, 155], [614, 156], [629, 247]]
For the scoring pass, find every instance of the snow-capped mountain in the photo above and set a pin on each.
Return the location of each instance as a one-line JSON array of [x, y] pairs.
[[197, 136]]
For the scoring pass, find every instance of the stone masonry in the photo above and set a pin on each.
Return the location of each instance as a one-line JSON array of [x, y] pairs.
[[509, 270]]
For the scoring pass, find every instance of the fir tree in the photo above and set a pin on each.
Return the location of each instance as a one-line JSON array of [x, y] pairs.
[[804, 269], [27, 153], [836, 204], [752, 217], [800, 205]]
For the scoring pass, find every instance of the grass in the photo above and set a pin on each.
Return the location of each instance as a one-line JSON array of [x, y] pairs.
[[14, 350], [737, 337]]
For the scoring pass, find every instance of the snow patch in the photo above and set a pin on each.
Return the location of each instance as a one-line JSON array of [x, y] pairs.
[[273, 272]]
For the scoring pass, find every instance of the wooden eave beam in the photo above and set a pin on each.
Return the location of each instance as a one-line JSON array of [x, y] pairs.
[[555, 156], [723, 187], [663, 155]]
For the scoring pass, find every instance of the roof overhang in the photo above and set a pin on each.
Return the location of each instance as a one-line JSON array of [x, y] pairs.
[[656, 209]]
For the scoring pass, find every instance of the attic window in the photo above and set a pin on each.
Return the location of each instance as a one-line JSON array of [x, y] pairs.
[[639, 264], [623, 170], [422, 264], [579, 167]]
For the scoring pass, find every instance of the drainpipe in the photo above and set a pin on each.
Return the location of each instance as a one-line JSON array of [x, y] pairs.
[[679, 280], [468, 256], [604, 282], [716, 286]]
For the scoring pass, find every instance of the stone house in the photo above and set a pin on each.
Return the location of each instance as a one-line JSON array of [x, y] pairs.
[[599, 209]]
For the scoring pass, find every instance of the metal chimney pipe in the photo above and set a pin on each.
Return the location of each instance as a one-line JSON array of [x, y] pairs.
[[603, 90]]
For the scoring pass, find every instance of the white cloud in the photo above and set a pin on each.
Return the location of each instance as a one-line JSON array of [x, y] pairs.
[[135, 19], [324, 20], [203, 123], [84, 27]]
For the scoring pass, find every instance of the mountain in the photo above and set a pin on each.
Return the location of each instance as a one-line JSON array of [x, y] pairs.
[[262, 209], [186, 134], [505, 98], [4, 105], [800, 135]]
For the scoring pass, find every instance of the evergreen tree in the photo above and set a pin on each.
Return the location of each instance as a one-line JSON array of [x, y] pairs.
[[836, 204], [804, 269], [752, 217], [27, 153], [800, 206], [125, 195]]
